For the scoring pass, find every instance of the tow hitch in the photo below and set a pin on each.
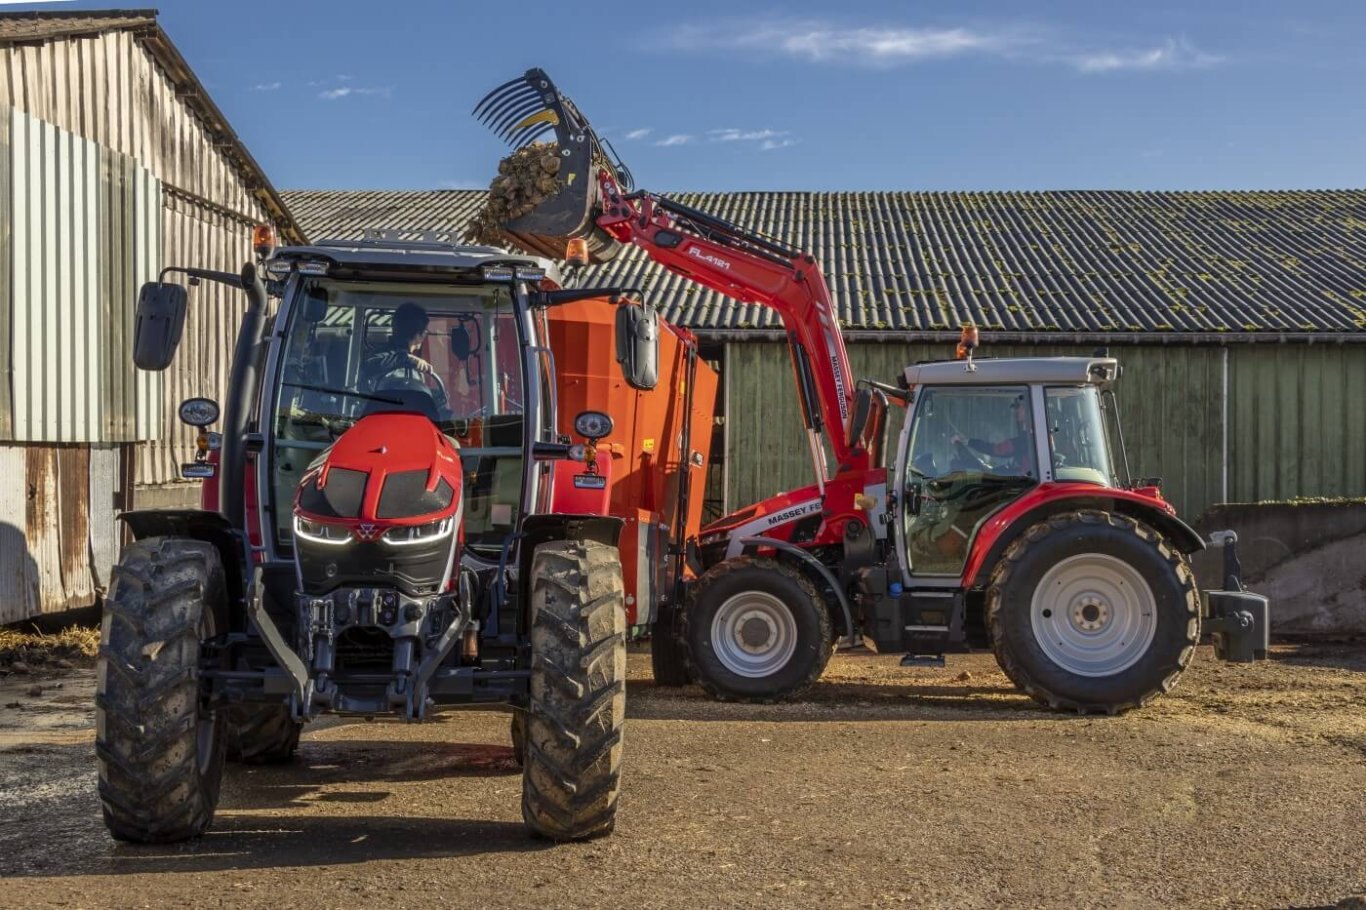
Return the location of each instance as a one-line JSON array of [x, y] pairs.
[[1238, 620]]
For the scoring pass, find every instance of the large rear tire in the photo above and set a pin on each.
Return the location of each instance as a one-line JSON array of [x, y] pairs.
[[159, 745], [571, 778], [668, 653], [262, 734], [1093, 612], [757, 630]]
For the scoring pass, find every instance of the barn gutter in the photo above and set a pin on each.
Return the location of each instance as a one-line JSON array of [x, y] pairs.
[[861, 336]]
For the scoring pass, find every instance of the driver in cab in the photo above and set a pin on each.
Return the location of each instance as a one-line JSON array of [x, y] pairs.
[[399, 355], [1017, 451]]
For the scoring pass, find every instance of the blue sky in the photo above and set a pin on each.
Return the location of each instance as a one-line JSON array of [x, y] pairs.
[[1200, 94]]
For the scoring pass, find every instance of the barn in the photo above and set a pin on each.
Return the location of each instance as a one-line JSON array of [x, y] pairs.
[[1238, 317], [114, 162]]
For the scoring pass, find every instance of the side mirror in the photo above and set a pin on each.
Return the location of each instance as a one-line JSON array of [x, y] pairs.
[[315, 306], [159, 323], [638, 344], [460, 342]]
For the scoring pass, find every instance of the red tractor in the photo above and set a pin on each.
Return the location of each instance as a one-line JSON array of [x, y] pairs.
[[395, 520], [1008, 517]]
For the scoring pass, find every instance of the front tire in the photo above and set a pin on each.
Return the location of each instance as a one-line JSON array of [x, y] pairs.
[[262, 734], [1093, 612], [159, 745], [571, 778], [757, 631]]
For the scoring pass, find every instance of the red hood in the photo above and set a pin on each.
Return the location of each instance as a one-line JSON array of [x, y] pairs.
[[381, 446]]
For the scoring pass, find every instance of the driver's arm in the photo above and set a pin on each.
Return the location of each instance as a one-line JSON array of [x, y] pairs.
[[1004, 447]]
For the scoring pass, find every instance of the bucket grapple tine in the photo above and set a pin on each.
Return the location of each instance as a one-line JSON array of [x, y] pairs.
[[495, 99], [504, 116]]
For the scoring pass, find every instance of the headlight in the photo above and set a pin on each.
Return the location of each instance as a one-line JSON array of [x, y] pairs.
[[411, 534], [593, 424], [318, 532], [198, 412]]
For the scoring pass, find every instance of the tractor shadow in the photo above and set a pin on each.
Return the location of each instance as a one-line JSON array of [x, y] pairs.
[[839, 700], [345, 771]]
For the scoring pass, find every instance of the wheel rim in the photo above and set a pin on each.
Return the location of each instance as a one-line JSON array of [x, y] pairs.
[[754, 634], [1093, 615]]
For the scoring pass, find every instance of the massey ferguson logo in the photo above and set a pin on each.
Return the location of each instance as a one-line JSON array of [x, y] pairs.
[[367, 531], [720, 263], [788, 515]]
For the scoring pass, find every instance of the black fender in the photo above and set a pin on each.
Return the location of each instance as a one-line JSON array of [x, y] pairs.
[[197, 524], [810, 564], [1182, 535], [538, 529]]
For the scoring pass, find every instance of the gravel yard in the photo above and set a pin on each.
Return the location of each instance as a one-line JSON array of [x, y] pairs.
[[883, 787]]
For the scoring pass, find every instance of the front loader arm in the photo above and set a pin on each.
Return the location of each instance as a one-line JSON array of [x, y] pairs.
[[751, 268]]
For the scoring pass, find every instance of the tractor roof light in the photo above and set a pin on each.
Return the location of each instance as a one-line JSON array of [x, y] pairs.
[[968, 341], [263, 240], [576, 252], [499, 273]]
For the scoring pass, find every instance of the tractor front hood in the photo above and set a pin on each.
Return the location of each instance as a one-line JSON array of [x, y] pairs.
[[382, 506]]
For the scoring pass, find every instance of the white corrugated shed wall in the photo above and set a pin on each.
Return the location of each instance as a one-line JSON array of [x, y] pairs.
[[80, 215], [105, 88]]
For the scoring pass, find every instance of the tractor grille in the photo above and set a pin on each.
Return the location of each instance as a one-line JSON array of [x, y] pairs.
[[364, 650]]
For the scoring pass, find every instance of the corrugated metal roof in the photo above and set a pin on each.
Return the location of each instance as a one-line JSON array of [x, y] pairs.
[[37, 25], [1037, 262], [27, 26]]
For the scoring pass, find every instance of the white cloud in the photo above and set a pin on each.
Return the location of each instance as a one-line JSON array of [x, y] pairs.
[[733, 135], [266, 87], [347, 91], [638, 134], [822, 42], [675, 139], [1171, 54], [769, 145], [888, 45]]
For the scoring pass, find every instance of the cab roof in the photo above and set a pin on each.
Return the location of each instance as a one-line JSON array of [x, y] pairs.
[[389, 254], [1016, 370]]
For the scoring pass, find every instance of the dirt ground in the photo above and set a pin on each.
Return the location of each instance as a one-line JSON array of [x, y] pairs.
[[884, 787]]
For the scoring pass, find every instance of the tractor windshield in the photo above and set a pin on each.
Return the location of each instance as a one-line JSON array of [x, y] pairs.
[[452, 352], [1076, 435]]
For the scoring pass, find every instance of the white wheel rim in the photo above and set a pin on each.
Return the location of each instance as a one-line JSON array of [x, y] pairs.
[[1093, 615], [754, 634]]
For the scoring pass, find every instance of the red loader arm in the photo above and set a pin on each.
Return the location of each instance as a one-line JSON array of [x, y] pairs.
[[751, 268]]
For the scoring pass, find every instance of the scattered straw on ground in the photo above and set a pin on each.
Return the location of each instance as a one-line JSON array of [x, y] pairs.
[[22, 651], [525, 179]]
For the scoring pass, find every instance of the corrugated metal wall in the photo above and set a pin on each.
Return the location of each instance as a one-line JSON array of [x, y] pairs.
[[85, 233], [57, 532], [1295, 426], [107, 89], [1297, 421]]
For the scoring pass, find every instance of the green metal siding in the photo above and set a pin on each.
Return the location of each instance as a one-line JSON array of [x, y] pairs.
[[1170, 398], [1297, 421]]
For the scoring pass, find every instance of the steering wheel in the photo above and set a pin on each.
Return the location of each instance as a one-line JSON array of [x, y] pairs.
[[435, 385], [965, 459]]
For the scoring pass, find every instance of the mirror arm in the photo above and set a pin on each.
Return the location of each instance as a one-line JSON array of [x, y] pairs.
[[206, 274], [572, 295]]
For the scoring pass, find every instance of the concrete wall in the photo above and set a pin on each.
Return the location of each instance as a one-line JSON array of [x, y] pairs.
[[1309, 558]]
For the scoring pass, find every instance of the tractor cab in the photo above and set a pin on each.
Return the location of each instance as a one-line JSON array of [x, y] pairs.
[[979, 436]]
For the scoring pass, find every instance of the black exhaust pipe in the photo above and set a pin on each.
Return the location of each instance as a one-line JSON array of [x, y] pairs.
[[243, 388]]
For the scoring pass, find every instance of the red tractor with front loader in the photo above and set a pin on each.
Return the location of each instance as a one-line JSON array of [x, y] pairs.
[[396, 518], [1006, 519]]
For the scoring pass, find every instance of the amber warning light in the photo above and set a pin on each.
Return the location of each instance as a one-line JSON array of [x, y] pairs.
[[968, 342], [576, 252], [263, 240]]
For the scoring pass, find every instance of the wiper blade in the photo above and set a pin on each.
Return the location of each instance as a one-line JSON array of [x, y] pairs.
[[331, 391]]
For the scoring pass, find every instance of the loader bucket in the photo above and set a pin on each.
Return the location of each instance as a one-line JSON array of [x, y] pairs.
[[522, 112]]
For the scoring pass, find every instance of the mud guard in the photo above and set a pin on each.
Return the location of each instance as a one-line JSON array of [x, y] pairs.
[[811, 562], [537, 529], [196, 524]]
